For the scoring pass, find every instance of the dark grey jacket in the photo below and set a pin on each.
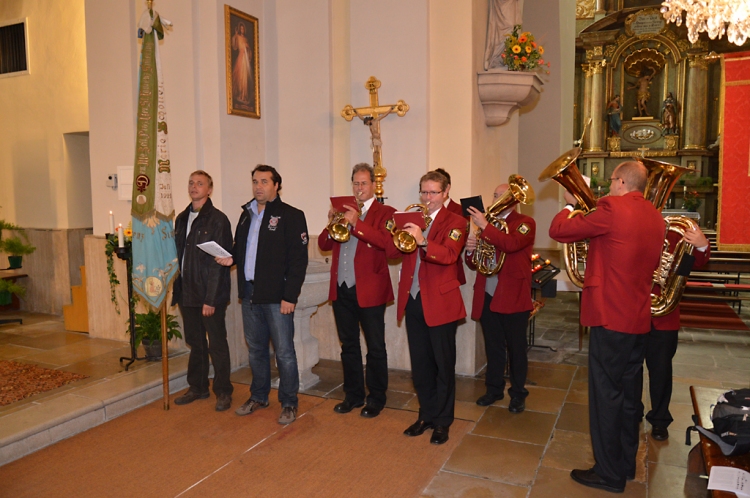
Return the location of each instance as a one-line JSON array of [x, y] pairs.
[[201, 279], [281, 263]]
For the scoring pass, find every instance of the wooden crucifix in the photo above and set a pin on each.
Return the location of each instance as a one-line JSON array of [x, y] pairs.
[[371, 117]]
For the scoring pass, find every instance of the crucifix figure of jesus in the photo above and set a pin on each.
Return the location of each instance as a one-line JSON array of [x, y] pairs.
[[371, 117]]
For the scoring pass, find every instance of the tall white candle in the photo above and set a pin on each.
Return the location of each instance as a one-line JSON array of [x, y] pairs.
[[111, 222], [120, 237]]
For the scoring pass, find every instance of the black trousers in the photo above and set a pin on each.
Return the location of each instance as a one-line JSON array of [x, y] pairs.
[[197, 327], [433, 364], [615, 382], [661, 347], [503, 330], [349, 315]]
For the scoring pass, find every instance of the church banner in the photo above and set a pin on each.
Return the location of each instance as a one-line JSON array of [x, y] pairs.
[[733, 227], [154, 250]]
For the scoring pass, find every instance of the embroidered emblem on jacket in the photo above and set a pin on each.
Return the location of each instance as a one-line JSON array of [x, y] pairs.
[[304, 238], [273, 223], [389, 225], [455, 235], [523, 228]]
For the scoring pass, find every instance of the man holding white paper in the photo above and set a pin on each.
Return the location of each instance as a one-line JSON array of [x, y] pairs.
[[202, 291]]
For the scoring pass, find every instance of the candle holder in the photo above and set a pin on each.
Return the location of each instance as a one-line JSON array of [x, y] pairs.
[[125, 254]]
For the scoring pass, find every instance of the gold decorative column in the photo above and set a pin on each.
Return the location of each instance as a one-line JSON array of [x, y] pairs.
[[696, 102], [586, 109], [595, 87]]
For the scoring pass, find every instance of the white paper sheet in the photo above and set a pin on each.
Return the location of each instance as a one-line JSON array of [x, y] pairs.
[[730, 479], [214, 249]]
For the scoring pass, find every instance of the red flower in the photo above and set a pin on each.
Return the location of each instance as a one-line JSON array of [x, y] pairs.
[[523, 59]]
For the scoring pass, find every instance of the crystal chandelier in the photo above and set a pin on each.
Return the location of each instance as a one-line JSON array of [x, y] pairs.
[[715, 17]]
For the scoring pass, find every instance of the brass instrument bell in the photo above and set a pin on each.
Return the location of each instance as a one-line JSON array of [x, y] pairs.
[[403, 240]]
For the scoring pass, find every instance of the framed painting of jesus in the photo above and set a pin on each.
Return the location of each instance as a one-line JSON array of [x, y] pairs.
[[242, 64]]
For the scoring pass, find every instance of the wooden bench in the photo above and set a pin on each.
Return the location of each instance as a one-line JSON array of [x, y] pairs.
[[700, 462]]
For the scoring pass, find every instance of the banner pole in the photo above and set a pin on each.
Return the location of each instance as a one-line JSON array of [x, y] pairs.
[[165, 354]]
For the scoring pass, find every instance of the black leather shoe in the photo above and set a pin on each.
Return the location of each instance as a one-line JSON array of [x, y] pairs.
[[189, 397], [660, 433], [346, 406], [487, 399], [370, 411], [439, 435], [223, 402], [591, 479], [517, 405], [418, 428]]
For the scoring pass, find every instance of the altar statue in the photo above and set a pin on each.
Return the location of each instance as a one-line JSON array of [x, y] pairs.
[[502, 17], [613, 113], [669, 115], [641, 86]]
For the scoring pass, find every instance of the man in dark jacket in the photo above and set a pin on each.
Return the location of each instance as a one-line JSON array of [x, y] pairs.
[[202, 291], [270, 250]]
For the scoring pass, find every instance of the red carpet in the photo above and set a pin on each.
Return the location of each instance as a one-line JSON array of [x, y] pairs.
[[704, 315]]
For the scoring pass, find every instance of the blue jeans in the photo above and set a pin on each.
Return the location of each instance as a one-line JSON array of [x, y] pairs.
[[264, 322]]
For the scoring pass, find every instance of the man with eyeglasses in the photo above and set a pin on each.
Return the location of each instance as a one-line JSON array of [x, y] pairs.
[[455, 208], [429, 296], [626, 234], [502, 302], [361, 259]]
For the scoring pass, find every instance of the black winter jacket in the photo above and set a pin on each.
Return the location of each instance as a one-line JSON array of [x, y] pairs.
[[202, 280], [281, 262]]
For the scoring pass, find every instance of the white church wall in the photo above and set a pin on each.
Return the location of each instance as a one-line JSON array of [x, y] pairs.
[[546, 127], [38, 109]]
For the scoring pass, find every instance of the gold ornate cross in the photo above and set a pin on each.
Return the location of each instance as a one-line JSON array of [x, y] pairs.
[[371, 116]]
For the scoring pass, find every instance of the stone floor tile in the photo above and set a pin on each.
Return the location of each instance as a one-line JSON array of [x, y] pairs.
[[468, 410], [13, 352], [578, 393], [569, 450], [547, 377], [450, 485], [671, 481], [469, 389], [49, 341], [553, 483], [574, 417], [527, 427], [496, 459]]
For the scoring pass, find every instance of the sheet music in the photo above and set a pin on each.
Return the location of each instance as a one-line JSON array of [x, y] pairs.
[[730, 479]]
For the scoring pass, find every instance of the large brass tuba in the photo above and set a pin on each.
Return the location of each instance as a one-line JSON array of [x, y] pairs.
[[565, 172], [661, 179], [403, 240], [487, 259], [338, 227]]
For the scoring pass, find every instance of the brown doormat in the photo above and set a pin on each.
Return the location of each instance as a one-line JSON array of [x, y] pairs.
[[194, 449], [21, 380]]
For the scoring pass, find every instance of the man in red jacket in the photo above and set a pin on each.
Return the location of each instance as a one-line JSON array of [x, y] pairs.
[[361, 259], [661, 345], [502, 302], [430, 298], [626, 235], [455, 208]]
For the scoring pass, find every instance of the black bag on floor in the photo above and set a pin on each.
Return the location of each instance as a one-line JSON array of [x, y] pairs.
[[731, 418]]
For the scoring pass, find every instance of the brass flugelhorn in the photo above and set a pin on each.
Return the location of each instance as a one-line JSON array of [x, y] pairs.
[[338, 227], [565, 172], [403, 240], [486, 258], [661, 180]]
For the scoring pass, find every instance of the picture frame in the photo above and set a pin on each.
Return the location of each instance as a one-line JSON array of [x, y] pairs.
[[242, 63]]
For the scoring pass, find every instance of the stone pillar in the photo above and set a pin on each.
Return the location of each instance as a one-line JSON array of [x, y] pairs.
[[695, 106]]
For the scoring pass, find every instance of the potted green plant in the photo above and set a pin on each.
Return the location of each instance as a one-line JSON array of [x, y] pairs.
[[691, 200], [7, 289], [148, 332], [16, 250]]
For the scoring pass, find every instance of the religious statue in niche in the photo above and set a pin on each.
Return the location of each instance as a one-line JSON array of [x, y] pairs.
[[613, 114], [641, 86], [502, 17], [669, 115]]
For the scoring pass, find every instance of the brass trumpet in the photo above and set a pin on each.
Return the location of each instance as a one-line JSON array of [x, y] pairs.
[[661, 180], [486, 258], [565, 172], [338, 227], [403, 240]]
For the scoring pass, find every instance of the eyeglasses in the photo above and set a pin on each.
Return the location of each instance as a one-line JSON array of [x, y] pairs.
[[613, 179], [360, 184], [429, 193]]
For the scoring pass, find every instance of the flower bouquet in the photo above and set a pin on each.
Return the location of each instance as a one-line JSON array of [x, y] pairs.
[[522, 53], [691, 200]]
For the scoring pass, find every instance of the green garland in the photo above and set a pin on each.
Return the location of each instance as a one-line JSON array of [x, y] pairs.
[[109, 250]]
